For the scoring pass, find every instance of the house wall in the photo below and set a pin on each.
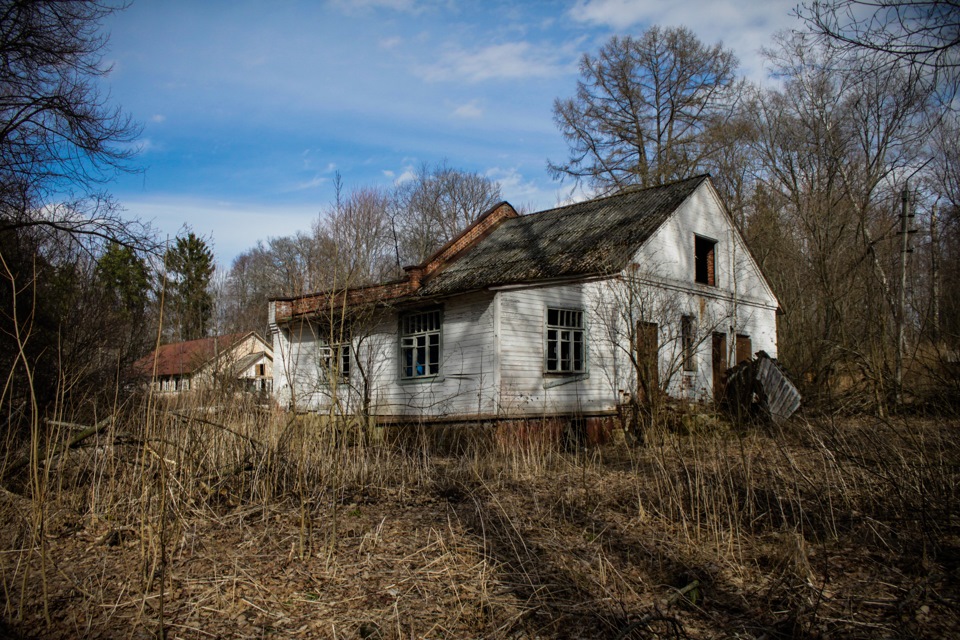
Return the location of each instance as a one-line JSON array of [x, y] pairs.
[[740, 302], [667, 257], [203, 377], [526, 389], [298, 375], [465, 385], [252, 378], [658, 287]]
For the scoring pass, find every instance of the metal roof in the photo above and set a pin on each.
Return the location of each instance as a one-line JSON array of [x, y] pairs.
[[186, 358], [587, 238]]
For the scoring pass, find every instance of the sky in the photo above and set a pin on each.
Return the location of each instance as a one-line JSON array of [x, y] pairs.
[[250, 109]]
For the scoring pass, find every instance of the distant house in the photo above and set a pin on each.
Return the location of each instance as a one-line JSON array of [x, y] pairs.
[[568, 313], [241, 359]]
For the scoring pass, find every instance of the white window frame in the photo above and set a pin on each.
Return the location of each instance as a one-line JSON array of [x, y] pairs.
[[565, 341], [335, 358], [421, 343]]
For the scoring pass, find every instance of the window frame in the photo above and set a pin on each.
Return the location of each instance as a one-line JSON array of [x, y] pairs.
[[572, 369], [414, 326], [339, 350]]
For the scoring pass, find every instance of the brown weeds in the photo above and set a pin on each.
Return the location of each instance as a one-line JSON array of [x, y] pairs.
[[220, 519]]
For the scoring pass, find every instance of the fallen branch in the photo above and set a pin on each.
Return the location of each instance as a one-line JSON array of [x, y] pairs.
[[256, 443], [58, 449]]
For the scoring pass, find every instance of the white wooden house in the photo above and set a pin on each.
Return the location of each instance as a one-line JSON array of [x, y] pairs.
[[242, 360], [567, 312]]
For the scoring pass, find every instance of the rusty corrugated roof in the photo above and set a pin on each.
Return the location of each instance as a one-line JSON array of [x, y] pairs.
[[184, 358], [593, 237]]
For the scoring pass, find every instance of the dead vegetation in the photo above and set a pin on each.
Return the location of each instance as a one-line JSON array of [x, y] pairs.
[[241, 523]]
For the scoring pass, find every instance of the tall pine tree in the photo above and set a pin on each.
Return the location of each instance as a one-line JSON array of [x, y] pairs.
[[189, 271]]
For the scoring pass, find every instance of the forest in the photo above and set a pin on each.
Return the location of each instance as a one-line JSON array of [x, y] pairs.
[[129, 516]]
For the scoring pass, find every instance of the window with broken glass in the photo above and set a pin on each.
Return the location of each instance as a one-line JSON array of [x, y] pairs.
[[565, 349], [420, 344], [335, 361]]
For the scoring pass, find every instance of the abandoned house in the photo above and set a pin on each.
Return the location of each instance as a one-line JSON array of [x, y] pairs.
[[566, 313], [243, 361]]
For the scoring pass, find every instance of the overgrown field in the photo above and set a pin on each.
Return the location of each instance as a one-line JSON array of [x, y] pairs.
[[245, 524]]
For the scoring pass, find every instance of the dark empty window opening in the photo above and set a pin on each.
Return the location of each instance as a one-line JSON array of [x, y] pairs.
[[335, 361], [705, 251]]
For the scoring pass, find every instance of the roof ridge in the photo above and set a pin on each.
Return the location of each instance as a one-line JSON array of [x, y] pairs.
[[628, 190]]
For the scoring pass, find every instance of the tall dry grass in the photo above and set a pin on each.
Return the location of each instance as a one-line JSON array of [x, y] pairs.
[[545, 537]]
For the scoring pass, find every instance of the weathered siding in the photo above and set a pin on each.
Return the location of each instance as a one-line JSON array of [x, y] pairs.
[[668, 255], [526, 388], [740, 302], [465, 385]]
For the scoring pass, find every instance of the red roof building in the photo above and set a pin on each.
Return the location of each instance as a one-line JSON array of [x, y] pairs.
[[196, 364]]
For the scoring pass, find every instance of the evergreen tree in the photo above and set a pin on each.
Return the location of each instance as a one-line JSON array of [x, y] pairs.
[[125, 278], [189, 271]]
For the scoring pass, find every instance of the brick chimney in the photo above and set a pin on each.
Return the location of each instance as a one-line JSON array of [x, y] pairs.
[[414, 275]]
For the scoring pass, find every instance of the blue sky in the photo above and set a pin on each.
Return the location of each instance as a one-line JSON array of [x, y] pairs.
[[249, 108]]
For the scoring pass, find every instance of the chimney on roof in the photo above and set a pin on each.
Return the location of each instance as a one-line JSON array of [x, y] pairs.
[[414, 275]]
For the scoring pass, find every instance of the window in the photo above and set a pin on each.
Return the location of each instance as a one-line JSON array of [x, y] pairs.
[[261, 370], [420, 345], [565, 346], [705, 267], [335, 361], [688, 341]]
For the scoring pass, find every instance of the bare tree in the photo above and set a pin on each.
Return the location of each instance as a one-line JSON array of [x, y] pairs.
[[60, 140], [643, 109], [924, 34], [356, 240], [943, 181], [834, 143], [436, 205]]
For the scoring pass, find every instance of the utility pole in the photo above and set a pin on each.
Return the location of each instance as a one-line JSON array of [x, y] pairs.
[[905, 215], [934, 277]]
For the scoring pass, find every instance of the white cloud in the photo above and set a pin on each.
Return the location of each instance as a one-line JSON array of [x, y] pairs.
[[391, 43], [146, 145], [744, 27], [312, 183], [468, 111], [408, 174], [512, 60], [358, 6], [158, 118], [618, 14], [520, 192]]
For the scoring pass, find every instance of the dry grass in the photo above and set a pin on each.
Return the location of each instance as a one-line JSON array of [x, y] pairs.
[[240, 523]]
